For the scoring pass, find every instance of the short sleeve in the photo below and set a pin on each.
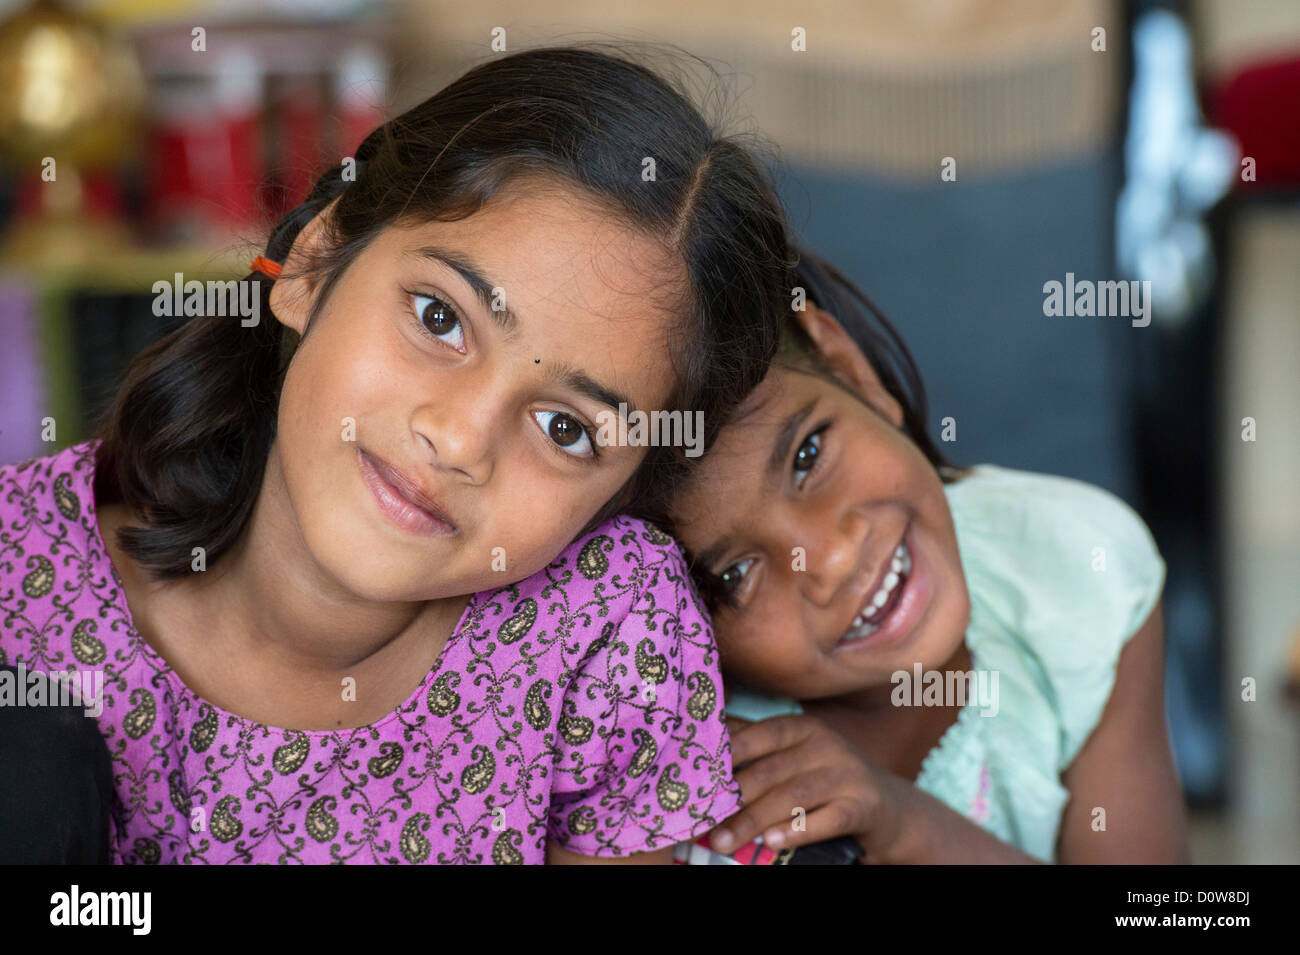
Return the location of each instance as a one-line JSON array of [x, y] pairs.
[[1116, 591], [1074, 572], [643, 758]]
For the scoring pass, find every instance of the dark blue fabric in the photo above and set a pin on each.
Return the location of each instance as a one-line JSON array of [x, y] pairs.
[[56, 786], [959, 268]]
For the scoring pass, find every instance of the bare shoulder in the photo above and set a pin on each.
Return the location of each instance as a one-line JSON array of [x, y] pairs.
[[1125, 798]]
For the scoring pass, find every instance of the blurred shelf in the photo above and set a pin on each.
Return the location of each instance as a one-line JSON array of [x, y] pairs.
[[134, 268]]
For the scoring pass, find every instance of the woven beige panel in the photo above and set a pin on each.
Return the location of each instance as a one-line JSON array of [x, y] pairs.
[[884, 86], [1233, 34]]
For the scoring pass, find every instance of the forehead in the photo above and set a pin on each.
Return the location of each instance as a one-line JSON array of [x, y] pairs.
[[731, 483], [596, 291], [551, 243]]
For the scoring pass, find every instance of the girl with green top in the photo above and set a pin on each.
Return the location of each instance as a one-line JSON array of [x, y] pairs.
[[860, 586]]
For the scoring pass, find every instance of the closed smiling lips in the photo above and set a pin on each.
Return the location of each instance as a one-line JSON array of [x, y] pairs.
[[403, 500]]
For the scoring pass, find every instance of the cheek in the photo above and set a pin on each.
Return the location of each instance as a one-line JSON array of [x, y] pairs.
[[904, 471], [336, 373], [536, 511], [766, 644]]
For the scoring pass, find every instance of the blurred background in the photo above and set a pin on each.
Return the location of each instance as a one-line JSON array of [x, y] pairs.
[[951, 156]]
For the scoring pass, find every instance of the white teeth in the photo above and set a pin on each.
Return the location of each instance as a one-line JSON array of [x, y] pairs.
[[899, 565], [902, 561]]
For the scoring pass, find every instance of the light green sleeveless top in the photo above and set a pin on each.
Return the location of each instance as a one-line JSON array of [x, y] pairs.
[[1061, 574]]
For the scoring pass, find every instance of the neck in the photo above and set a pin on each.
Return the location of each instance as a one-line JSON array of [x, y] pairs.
[[871, 699], [272, 602]]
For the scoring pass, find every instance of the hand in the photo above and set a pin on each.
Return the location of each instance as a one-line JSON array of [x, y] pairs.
[[798, 762]]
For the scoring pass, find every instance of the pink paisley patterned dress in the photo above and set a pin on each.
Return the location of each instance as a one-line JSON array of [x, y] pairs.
[[580, 706]]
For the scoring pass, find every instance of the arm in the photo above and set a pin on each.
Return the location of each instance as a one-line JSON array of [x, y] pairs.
[[1145, 820], [641, 755], [934, 834], [1125, 767], [557, 856], [799, 761]]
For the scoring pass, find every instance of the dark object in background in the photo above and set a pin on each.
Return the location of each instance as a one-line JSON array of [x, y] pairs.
[[110, 328], [843, 850], [56, 786]]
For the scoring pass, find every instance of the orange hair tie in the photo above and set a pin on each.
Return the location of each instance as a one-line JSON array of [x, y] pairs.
[[268, 267]]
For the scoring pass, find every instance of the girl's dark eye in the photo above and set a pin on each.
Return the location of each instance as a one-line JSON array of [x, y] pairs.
[[734, 576], [564, 430], [567, 432], [805, 459], [440, 320]]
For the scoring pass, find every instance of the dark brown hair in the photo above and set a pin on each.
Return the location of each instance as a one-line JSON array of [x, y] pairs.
[[186, 441], [834, 293]]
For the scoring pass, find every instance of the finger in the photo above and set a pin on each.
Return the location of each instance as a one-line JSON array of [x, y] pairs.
[[768, 736], [762, 775], [835, 818], [769, 811]]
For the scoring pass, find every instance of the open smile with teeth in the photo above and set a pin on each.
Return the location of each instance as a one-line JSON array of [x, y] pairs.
[[885, 599]]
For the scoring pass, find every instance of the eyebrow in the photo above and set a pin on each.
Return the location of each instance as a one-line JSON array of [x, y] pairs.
[[712, 554], [470, 271], [569, 377], [785, 437], [564, 375]]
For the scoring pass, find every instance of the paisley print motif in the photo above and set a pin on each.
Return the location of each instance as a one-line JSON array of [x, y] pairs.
[[582, 821], [517, 627], [148, 851], [69, 504], [504, 851], [704, 699], [478, 776], [388, 760], [86, 647], [288, 759], [536, 711], [646, 751], [176, 790], [672, 793], [532, 728], [576, 730], [657, 537], [320, 825], [205, 730], [140, 720], [224, 824], [415, 847], [592, 562], [41, 580], [443, 700], [650, 666]]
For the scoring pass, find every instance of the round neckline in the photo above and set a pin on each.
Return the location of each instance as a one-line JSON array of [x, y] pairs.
[[951, 739], [182, 688], [954, 734]]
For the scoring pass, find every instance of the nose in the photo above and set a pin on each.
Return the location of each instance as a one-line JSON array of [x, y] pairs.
[[834, 549], [456, 429]]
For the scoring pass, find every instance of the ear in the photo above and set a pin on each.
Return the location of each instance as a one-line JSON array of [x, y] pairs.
[[848, 362], [294, 292]]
